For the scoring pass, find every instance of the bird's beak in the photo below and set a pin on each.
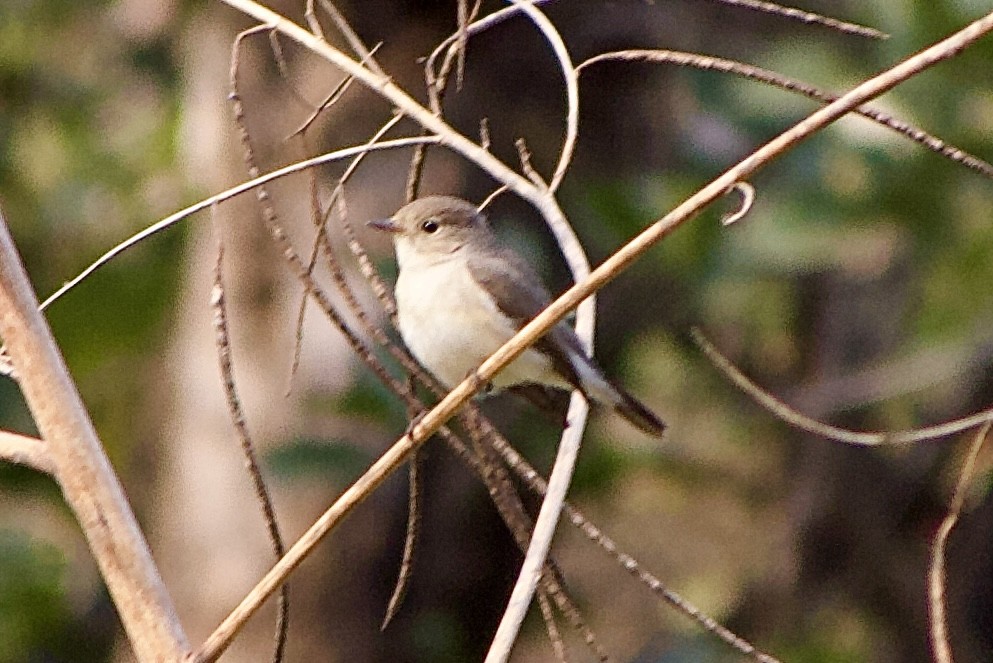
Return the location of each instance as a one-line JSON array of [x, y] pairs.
[[386, 225]]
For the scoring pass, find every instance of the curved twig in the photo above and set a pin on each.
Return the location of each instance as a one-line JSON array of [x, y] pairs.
[[938, 626], [244, 187], [747, 193], [571, 79], [858, 438]]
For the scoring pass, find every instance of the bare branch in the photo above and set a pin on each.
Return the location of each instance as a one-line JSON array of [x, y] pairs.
[[808, 17], [28, 451], [240, 425], [244, 187], [784, 412], [82, 469], [707, 63], [330, 100], [462, 43], [940, 647], [569, 77], [354, 41]]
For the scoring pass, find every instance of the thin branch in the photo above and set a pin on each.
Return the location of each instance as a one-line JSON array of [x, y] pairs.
[[223, 345], [787, 414], [330, 99], [284, 67], [462, 43], [570, 76], [244, 187], [354, 41], [239, 422], [409, 540], [490, 198], [28, 451], [554, 635], [808, 17], [473, 28], [751, 72], [83, 471], [940, 646], [485, 438], [321, 241]]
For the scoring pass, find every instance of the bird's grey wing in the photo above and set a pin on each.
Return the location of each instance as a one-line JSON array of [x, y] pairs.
[[520, 295]]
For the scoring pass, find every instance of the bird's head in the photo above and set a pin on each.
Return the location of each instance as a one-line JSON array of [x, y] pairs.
[[434, 228]]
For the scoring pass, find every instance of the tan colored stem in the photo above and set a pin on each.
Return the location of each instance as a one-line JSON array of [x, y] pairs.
[[28, 451], [88, 482]]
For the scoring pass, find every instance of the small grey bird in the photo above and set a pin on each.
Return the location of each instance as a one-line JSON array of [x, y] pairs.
[[460, 295]]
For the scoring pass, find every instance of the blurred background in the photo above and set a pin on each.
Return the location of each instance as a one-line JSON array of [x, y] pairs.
[[858, 290]]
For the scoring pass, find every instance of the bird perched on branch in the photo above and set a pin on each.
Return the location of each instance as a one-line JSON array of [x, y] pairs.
[[461, 295]]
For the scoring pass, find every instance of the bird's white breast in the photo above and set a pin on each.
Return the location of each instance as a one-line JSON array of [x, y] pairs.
[[451, 324]]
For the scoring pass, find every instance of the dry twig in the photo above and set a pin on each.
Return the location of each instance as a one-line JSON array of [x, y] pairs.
[[940, 647], [785, 413]]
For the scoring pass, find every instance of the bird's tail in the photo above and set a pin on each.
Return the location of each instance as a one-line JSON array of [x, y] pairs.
[[637, 413], [600, 389]]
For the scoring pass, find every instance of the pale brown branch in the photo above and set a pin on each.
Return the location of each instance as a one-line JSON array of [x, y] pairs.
[[28, 451], [938, 625], [462, 43], [354, 41], [808, 17], [859, 438], [244, 187], [88, 482], [570, 77], [558, 645], [239, 422]]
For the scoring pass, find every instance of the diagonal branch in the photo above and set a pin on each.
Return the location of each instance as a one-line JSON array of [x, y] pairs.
[[83, 471]]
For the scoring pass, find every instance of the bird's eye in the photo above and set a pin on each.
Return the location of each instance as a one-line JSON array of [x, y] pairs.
[[429, 226]]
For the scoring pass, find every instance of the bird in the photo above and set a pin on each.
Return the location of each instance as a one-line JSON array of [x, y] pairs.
[[461, 294]]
